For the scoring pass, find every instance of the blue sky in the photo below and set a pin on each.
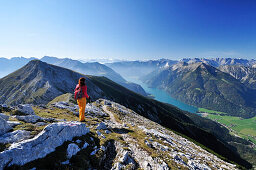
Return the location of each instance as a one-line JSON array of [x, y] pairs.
[[128, 29]]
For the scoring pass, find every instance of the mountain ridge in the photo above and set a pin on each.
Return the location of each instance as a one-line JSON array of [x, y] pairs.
[[246, 74], [203, 85], [94, 68], [164, 114], [113, 137]]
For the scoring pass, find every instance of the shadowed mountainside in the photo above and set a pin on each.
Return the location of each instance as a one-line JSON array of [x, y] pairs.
[[96, 69]]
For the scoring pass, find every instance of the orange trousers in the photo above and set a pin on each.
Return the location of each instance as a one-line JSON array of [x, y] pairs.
[[82, 104]]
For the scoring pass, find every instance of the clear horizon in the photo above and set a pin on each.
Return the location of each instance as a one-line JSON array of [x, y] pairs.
[[109, 59], [128, 30]]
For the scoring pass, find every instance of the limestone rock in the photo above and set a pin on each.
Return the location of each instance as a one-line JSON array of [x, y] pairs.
[[52, 136], [15, 136], [13, 123], [26, 108], [85, 145], [29, 118], [5, 117], [4, 126], [72, 150], [101, 126], [41, 124], [93, 110]]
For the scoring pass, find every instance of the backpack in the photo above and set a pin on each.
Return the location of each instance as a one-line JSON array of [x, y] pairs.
[[78, 93]]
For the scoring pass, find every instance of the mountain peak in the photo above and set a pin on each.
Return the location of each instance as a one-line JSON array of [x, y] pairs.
[[37, 62], [39, 82]]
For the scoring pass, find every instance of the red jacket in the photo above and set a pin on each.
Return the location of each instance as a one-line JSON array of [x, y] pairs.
[[84, 89]]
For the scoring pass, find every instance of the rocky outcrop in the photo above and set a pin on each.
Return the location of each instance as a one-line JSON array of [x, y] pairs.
[[13, 123], [5, 117], [101, 126], [26, 109], [119, 138], [161, 141], [4, 126], [29, 118], [44, 143], [15, 136], [72, 150]]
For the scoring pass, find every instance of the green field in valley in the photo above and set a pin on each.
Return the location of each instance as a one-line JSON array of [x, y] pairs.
[[209, 111], [245, 128]]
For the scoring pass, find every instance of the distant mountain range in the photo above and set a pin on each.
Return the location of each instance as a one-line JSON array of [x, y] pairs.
[[10, 65], [138, 68], [39, 83], [203, 85], [95, 68], [216, 62]]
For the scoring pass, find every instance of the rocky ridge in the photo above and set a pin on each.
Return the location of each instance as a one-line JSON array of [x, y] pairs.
[[113, 137], [246, 74]]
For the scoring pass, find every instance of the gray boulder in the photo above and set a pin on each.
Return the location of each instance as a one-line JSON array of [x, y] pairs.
[[29, 118], [52, 136], [72, 150], [5, 117], [13, 123], [4, 126], [26, 108], [41, 124], [85, 145], [101, 126], [15, 136]]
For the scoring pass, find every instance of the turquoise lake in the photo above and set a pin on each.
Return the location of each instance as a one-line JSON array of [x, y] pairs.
[[163, 96]]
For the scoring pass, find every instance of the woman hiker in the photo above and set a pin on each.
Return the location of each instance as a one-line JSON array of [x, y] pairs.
[[80, 96]]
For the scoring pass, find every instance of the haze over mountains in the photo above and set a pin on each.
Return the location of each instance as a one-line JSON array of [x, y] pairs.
[[95, 68], [138, 68]]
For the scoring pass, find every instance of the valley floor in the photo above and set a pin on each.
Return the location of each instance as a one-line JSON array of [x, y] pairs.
[[239, 127], [245, 128]]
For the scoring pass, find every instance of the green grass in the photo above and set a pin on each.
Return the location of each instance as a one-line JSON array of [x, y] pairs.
[[209, 111], [245, 128], [226, 81], [67, 97], [199, 89]]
